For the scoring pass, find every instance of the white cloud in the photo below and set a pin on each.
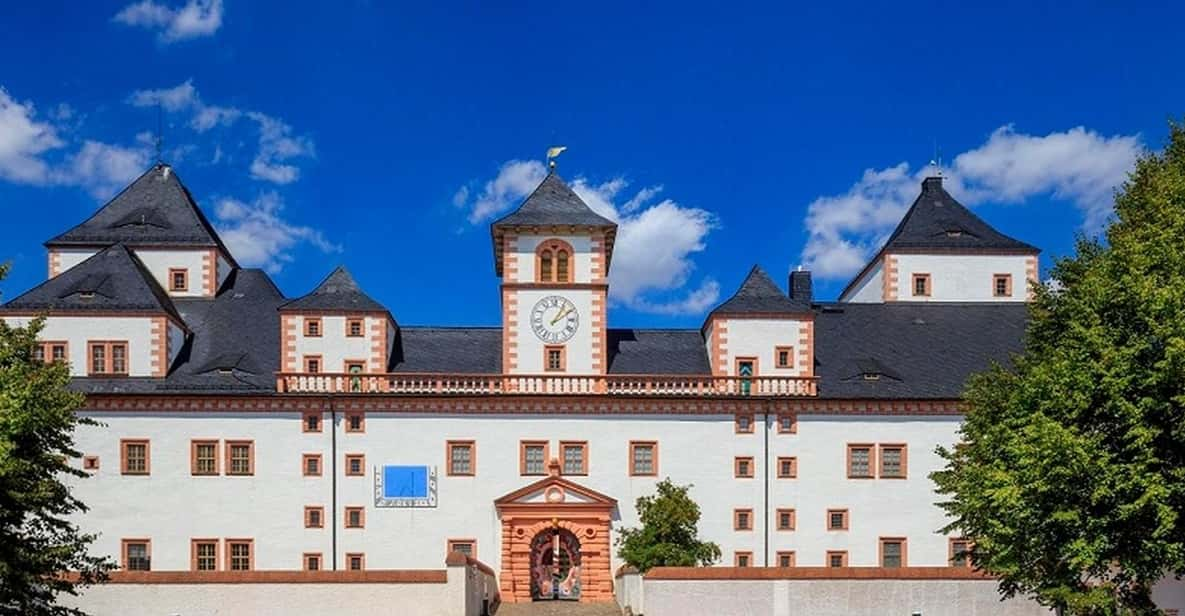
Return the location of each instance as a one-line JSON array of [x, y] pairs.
[[196, 18], [102, 168], [23, 140], [277, 143], [656, 242], [258, 236], [1077, 165]]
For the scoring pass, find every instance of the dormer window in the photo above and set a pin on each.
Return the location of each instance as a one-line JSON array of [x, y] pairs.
[[954, 232], [921, 285], [178, 279], [553, 261], [872, 376], [86, 295]]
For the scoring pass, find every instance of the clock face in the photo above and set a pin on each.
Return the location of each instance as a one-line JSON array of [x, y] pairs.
[[554, 319]]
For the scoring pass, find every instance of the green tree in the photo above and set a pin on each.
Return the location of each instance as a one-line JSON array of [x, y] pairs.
[[1070, 478], [38, 543], [668, 536]]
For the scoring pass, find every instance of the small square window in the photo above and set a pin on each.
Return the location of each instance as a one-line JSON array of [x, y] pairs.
[[533, 458], [240, 457], [204, 555], [204, 457], [467, 547], [355, 465], [785, 559], [742, 519], [310, 464], [462, 458], [892, 461], [837, 559], [314, 517], [960, 552], [574, 458], [312, 562], [134, 458], [355, 422], [554, 359], [137, 555], [1002, 285], [240, 554], [743, 467], [354, 328], [643, 458], [784, 357], [355, 517], [837, 519], [312, 364], [921, 285], [178, 280], [744, 423], [787, 467], [860, 461], [786, 519], [787, 423], [743, 559], [312, 421], [892, 552], [90, 463], [355, 561], [312, 327]]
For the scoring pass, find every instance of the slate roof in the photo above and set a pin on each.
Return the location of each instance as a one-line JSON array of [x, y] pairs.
[[920, 350], [936, 220], [112, 279], [234, 347], [657, 351], [456, 350], [155, 209], [759, 294], [553, 202], [339, 291]]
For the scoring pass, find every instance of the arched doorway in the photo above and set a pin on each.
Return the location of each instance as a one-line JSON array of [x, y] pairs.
[[555, 565]]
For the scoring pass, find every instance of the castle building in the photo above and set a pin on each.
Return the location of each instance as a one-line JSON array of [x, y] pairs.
[[241, 429]]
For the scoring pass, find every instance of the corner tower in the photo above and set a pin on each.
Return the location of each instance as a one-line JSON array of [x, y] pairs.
[[553, 256]]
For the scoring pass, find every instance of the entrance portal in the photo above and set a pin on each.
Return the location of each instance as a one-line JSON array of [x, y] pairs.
[[555, 566]]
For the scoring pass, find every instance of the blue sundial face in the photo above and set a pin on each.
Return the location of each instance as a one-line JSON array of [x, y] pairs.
[[554, 319]]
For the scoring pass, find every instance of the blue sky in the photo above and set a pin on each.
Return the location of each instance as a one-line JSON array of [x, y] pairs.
[[385, 137]]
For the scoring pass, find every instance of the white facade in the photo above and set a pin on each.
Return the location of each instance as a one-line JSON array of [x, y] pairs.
[[760, 340], [77, 331], [869, 288], [962, 278], [333, 347]]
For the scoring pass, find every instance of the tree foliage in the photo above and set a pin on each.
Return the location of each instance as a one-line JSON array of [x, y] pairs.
[[38, 542], [668, 536], [1070, 478]]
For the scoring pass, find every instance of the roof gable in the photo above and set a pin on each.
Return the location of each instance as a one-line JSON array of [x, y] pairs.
[[111, 280], [155, 209], [554, 490], [339, 291], [759, 294], [936, 220]]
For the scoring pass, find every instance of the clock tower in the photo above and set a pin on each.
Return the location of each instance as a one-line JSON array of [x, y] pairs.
[[553, 256]]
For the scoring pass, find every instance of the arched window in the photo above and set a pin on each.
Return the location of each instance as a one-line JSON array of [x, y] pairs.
[[561, 266], [545, 266]]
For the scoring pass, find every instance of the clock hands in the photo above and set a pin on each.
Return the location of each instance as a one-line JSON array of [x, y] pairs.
[[562, 314]]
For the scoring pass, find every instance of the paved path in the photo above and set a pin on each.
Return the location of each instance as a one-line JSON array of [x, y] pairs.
[[559, 608]]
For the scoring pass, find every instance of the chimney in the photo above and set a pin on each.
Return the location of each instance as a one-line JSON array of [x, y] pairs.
[[800, 286], [933, 182]]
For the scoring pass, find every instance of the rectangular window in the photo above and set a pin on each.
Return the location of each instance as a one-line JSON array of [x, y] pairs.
[[785, 559], [134, 457], [314, 516], [860, 461], [837, 559], [311, 421], [355, 422], [921, 285], [178, 279], [312, 327], [355, 561], [108, 358], [893, 461], [533, 457], [312, 364], [892, 552], [355, 368], [784, 357], [960, 552], [310, 464], [746, 369], [203, 457], [744, 423], [837, 519], [788, 423], [575, 457], [355, 465], [787, 467], [312, 561], [743, 559], [137, 554], [742, 467], [240, 554], [355, 517], [643, 458], [742, 519], [554, 359], [467, 547], [203, 554], [50, 351], [786, 519], [354, 328], [462, 458], [240, 457], [90, 463], [1002, 285]]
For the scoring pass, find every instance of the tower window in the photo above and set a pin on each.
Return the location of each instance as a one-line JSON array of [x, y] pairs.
[[561, 266], [553, 261], [1002, 285], [178, 279], [921, 285], [554, 360]]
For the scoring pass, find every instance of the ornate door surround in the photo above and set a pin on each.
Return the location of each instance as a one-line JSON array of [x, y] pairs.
[[555, 503]]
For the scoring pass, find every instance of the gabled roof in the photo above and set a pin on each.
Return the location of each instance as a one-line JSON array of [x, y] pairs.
[[110, 280], [553, 203], [155, 209], [759, 294], [339, 291], [937, 221]]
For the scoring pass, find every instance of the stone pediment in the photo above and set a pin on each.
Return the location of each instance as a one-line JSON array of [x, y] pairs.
[[555, 490]]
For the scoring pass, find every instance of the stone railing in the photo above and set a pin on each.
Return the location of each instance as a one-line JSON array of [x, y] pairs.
[[545, 384]]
